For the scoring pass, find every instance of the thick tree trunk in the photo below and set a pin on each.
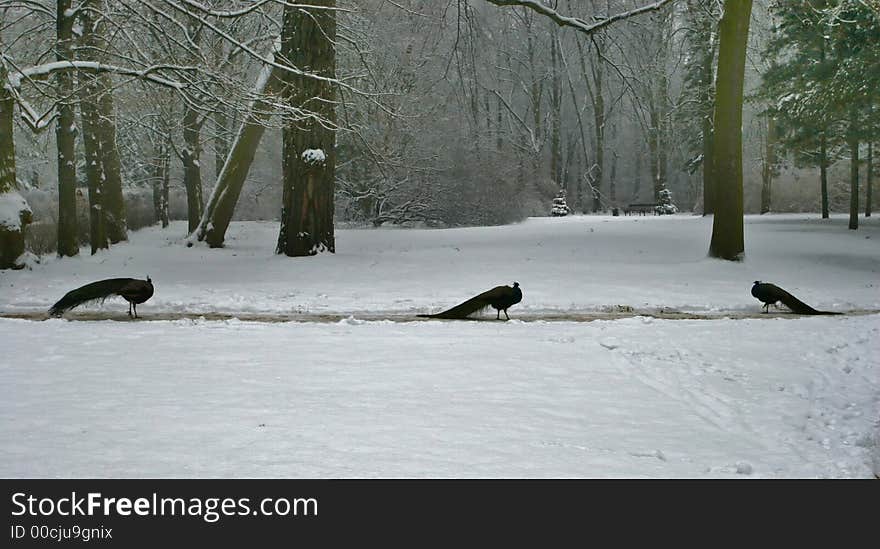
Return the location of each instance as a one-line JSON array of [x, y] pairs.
[[309, 155], [853, 143], [88, 111], [107, 212], [89, 121], [221, 205], [114, 201], [727, 224], [65, 135], [11, 235], [767, 168]]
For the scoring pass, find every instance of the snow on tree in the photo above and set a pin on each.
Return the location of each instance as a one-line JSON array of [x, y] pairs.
[[665, 205], [560, 207]]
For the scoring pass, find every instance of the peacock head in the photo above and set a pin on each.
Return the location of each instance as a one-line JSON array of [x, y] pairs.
[[516, 284], [149, 280], [757, 282]]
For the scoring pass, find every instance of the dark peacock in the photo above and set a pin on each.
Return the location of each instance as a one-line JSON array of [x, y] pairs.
[[132, 290], [770, 294], [499, 297]]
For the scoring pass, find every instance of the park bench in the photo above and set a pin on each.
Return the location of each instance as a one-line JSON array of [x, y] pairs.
[[641, 209]]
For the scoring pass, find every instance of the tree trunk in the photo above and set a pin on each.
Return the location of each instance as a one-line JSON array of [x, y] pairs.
[[637, 178], [654, 149], [65, 135], [869, 180], [612, 184], [11, 235], [823, 173], [221, 139], [708, 173], [853, 143], [157, 182], [662, 134], [599, 112], [192, 170], [767, 168], [166, 184], [113, 198], [598, 101], [107, 212], [707, 132], [160, 183], [309, 154], [221, 205], [88, 112], [727, 224], [555, 114], [89, 121]]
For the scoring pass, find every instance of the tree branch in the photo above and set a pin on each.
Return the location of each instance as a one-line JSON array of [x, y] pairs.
[[575, 22]]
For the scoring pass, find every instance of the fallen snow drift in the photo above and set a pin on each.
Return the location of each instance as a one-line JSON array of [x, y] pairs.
[[629, 398], [576, 263]]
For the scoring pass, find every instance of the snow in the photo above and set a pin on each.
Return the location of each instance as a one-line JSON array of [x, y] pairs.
[[12, 204], [774, 396], [721, 398], [314, 156], [44, 69]]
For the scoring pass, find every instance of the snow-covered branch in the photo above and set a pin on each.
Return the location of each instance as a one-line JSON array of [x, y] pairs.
[[46, 69], [253, 7], [576, 22]]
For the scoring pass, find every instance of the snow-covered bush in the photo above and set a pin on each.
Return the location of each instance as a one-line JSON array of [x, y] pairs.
[[665, 205], [560, 207]]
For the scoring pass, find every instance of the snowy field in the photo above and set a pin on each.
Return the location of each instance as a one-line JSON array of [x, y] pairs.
[[563, 264], [781, 396]]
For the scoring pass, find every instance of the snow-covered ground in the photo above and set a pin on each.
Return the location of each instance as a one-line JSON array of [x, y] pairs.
[[563, 264], [782, 396], [628, 398]]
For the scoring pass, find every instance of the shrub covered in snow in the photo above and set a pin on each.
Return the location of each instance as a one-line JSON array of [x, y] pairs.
[[560, 207], [665, 205], [15, 214], [14, 210]]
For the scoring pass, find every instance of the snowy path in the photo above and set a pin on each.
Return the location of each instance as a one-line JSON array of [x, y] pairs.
[[87, 315], [637, 397]]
